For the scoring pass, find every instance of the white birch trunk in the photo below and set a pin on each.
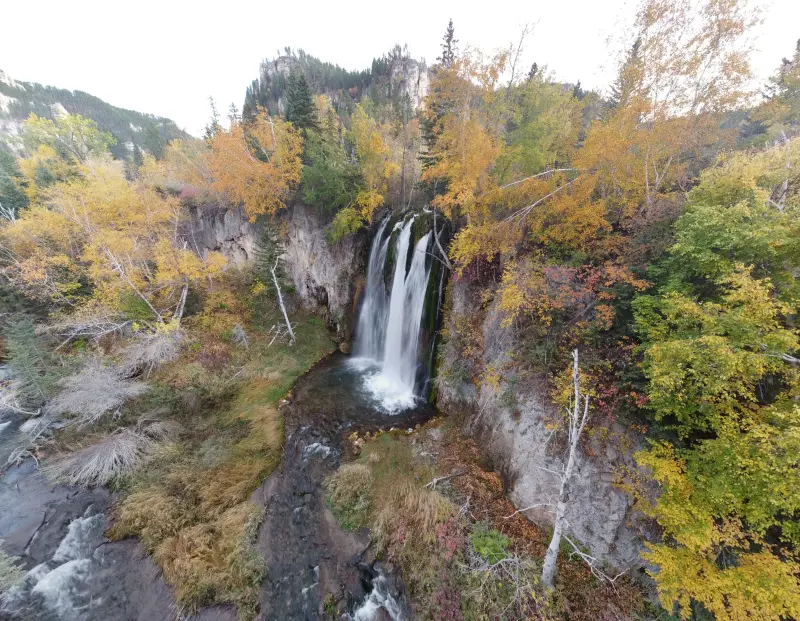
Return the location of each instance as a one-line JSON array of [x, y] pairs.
[[576, 423], [283, 307]]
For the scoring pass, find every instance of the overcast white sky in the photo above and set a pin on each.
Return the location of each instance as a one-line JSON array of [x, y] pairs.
[[166, 56]]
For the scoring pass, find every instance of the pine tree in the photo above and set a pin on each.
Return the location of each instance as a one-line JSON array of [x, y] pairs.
[[533, 72], [449, 47], [137, 157], [628, 78], [784, 89], [233, 114], [133, 163], [300, 109], [31, 362], [12, 198], [213, 126]]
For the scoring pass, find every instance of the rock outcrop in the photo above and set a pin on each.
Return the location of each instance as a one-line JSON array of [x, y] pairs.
[[224, 230], [326, 275], [510, 420]]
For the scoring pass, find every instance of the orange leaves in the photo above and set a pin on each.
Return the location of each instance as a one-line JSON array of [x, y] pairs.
[[461, 108], [257, 164], [579, 295]]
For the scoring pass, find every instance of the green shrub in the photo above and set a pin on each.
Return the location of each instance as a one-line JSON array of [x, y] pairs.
[[348, 494], [491, 545]]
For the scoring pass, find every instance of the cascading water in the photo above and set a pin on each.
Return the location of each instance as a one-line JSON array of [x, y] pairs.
[[388, 330], [371, 333]]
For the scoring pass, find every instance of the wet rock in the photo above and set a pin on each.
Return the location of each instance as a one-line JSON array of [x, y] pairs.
[[309, 556], [383, 615]]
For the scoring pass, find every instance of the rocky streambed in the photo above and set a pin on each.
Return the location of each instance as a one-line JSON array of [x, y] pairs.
[[315, 570]]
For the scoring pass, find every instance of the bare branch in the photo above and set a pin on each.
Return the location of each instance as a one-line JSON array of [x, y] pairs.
[[546, 173], [520, 214], [432, 485], [280, 301], [592, 563], [541, 504], [445, 258]]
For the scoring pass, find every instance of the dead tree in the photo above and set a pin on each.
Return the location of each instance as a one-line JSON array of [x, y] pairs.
[[280, 301], [577, 416]]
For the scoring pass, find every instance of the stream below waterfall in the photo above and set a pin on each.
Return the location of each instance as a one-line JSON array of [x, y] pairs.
[[315, 569]]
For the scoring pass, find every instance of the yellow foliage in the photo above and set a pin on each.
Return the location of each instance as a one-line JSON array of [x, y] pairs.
[[100, 227], [758, 586], [257, 164], [185, 162], [732, 572]]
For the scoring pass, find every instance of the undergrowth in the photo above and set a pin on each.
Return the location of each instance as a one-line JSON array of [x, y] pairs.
[[190, 506], [461, 557]]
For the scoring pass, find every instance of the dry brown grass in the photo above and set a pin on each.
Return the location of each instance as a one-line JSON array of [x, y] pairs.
[[152, 514], [119, 454], [191, 508], [412, 511], [215, 561], [348, 493], [93, 392]]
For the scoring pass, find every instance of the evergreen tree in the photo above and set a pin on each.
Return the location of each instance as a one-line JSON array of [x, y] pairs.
[[267, 251], [578, 92], [449, 47], [784, 90], [137, 157], [133, 163], [32, 363], [233, 114], [213, 126], [300, 109], [12, 198], [628, 78], [533, 72]]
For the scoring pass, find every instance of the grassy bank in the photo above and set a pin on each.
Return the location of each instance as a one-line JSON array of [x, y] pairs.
[[189, 505]]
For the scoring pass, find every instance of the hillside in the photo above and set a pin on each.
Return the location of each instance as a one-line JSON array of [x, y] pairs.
[[19, 99]]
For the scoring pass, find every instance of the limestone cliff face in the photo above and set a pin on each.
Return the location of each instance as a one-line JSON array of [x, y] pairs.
[[224, 230], [325, 275], [509, 423], [411, 78]]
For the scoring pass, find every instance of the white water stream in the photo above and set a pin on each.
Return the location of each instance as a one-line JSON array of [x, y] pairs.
[[388, 329]]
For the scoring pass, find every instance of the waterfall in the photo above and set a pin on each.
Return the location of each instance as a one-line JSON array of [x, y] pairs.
[[388, 329], [370, 333]]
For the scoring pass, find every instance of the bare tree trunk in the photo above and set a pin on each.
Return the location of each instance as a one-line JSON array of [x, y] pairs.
[[445, 258], [280, 301], [181, 304], [576, 422]]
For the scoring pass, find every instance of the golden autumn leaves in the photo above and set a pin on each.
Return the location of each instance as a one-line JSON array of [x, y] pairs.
[[98, 240], [257, 164]]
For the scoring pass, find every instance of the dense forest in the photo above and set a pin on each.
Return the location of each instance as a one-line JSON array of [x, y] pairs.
[[653, 227]]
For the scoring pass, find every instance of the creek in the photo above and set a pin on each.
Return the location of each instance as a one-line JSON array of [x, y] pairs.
[[314, 568]]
